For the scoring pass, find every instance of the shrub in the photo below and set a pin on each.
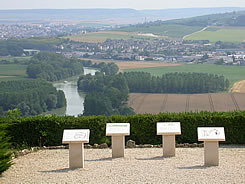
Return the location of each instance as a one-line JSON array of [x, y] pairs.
[[5, 154], [48, 130]]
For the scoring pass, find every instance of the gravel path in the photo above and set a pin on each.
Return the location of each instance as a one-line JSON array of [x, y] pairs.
[[141, 165]]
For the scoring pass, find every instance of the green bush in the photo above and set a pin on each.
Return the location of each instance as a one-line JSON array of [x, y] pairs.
[[48, 130], [5, 154]]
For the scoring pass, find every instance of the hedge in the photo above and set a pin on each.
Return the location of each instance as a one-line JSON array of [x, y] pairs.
[[48, 130]]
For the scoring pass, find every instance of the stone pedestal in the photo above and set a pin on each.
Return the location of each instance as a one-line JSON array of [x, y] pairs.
[[168, 143], [118, 146], [211, 153], [76, 155]]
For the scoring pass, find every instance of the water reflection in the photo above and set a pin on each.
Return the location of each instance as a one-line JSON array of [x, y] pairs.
[[74, 98]]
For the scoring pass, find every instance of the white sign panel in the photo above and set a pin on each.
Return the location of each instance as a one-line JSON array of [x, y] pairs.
[[117, 129], [75, 136], [211, 133], [168, 128]]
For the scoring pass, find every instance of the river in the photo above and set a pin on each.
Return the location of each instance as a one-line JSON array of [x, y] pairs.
[[74, 98]]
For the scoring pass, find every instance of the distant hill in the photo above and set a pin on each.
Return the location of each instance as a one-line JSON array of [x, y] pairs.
[[180, 28], [221, 19], [115, 16]]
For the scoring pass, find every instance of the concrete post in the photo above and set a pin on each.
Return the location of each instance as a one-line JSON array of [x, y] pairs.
[[168, 144], [118, 146], [76, 155], [211, 153]]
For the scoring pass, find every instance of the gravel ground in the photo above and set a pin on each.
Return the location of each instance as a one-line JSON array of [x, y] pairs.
[[141, 165]]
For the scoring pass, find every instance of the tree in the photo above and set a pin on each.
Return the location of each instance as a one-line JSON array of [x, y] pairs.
[[5, 154]]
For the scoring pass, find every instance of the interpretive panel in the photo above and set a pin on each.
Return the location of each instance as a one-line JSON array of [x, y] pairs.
[[117, 129], [211, 134], [168, 128], [76, 136]]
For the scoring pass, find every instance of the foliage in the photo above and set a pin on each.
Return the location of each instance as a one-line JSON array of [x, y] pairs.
[[47, 130], [107, 94], [5, 154], [107, 68], [53, 67], [15, 47], [232, 73], [31, 97], [143, 82]]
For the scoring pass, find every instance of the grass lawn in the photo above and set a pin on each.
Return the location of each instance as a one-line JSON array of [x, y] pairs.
[[233, 73], [12, 72], [225, 34]]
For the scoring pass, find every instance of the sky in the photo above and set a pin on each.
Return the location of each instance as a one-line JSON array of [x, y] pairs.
[[135, 4]]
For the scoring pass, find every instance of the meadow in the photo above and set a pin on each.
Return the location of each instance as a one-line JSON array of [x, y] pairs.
[[12, 72], [224, 34], [104, 35], [233, 73]]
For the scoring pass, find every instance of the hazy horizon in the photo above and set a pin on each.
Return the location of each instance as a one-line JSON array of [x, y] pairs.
[[120, 4]]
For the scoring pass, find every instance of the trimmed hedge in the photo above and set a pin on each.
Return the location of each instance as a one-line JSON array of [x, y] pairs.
[[48, 130]]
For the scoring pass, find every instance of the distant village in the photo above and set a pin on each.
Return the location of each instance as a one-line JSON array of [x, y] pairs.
[[141, 49], [161, 50]]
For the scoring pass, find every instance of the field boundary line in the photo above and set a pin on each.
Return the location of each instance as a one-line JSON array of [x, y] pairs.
[[187, 103], [131, 102], [211, 103], [141, 102], [203, 29], [163, 106], [234, 101]]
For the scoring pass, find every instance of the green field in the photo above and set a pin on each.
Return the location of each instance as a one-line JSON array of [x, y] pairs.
[[13, 59], [233, 73], [169, 30], [224, 34], [12, 72], [103, 36]]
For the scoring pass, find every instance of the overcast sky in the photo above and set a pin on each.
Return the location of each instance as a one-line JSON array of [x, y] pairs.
[[135, 4]]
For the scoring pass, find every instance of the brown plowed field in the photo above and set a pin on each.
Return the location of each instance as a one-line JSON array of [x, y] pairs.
[[137, 64], [215, 102]]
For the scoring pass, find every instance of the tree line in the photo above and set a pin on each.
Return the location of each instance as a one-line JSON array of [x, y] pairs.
[[15, 47], [52, 67], [142, 82], [107, 94], [31, 97], [107, 68]]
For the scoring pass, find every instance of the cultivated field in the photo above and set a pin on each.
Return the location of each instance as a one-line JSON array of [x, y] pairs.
[[213, 102], [12, 72], [131, 65], [233, 73], [124, 65], [104, 35], [167, 30], [214, 34]]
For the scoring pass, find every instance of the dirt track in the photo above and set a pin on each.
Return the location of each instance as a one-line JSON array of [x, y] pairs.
[[215, 102]]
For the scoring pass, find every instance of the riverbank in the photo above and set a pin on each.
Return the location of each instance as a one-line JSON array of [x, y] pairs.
[[140, 165]]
